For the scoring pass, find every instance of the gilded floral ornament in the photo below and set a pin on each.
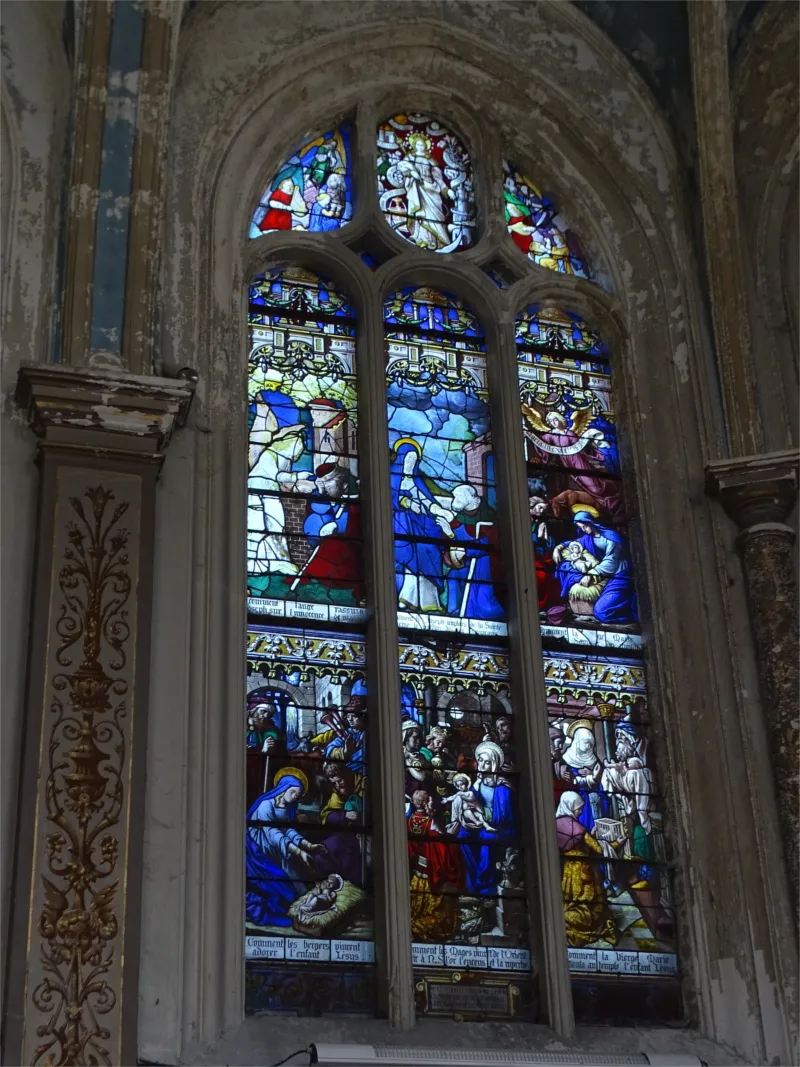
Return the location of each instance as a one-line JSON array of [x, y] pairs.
[[84, 789]]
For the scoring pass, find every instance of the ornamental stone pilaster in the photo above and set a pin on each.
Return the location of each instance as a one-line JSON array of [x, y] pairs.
[[72, 988], [758, 493]]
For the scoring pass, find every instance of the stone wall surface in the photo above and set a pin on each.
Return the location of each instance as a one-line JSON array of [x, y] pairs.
[[765, 90]]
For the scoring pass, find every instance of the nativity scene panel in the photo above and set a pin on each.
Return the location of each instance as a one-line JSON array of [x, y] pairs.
[[308, 838]]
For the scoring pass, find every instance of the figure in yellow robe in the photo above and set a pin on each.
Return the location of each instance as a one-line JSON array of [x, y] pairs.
[[586, 913]]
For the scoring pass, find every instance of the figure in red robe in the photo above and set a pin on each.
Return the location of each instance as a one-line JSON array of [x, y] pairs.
[[279, 214], [548, 587], [437, 874], [333, 527]]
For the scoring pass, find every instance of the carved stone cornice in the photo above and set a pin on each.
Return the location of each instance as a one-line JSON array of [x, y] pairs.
[[108, 409], [756, 490]]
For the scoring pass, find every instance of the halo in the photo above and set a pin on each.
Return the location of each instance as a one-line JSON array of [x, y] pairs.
[[585, 507], [573, 727], [407, 441], [295, 773]]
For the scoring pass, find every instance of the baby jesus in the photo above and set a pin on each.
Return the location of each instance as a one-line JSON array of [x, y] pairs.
[[467, 808], [574, 552], [322, 898]]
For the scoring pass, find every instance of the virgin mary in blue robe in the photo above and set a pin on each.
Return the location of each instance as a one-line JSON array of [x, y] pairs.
[[483, 849], [275, 878], [411, 489], [617, 602]]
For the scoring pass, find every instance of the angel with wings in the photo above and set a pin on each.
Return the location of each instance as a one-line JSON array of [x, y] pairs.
[[568, 440]]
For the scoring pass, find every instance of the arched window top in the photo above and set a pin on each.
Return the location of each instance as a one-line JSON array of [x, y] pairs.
[[447, 608], [425, 183], [537, 229], [312, 190], [553, 328]]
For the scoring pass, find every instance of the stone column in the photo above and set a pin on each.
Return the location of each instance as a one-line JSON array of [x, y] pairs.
[[756, 490], [758, 493], [392, 904], [543, 873], [72, 988], [714, 120]]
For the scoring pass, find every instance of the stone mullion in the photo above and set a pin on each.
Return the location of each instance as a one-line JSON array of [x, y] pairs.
[[387, 772], [543, 869], [74, 954], [714, 121]]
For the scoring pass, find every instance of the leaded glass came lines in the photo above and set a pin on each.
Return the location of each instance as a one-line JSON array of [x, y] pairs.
[[616, 878]]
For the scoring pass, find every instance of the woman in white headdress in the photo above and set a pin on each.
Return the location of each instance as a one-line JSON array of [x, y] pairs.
[[587, 770]]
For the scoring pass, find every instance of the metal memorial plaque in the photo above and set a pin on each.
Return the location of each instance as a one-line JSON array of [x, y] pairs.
[[461, 999]]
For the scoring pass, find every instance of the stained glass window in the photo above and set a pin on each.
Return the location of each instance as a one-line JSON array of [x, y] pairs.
[[616, 877], [310, 945], [309, 937], [425, 183], [312, 190], [469, 914], [304, 516], [468, 909], [537, 229], [442, 470]]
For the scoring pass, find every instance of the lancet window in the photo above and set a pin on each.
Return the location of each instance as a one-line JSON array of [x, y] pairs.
[[314, 941]]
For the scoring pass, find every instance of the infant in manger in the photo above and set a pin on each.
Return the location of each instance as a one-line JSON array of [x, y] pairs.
[[582, 561], [580, 558], [467, 808], [322, 898]]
